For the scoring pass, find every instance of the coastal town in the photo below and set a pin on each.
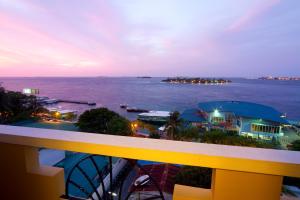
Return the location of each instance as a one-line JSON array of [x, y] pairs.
[[280, 78], [233, 122], [149, 100]]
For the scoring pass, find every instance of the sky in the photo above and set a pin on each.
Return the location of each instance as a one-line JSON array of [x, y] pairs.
[[219, 38]]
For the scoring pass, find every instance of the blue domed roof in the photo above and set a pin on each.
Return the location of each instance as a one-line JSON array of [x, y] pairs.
[[244, 109], [192, 115]]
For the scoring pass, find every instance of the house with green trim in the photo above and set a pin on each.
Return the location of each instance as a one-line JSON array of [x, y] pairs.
[[248, 119]]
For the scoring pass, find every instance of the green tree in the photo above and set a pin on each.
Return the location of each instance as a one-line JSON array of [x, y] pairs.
[[220, 137], [15, 106], [105, 121], [119, 126], [189, 133], [295, 145]]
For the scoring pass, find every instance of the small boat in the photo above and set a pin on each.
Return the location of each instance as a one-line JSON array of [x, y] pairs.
[[136, 110], [123, 106]]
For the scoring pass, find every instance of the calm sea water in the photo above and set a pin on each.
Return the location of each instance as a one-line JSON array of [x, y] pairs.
[[154, 95]]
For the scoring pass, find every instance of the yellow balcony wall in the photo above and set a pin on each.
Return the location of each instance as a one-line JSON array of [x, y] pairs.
[[239, 172]]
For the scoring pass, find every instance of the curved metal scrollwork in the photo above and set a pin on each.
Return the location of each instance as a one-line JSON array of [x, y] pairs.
[[91, 179]]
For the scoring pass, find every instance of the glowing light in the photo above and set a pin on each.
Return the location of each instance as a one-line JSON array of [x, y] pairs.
[[134, 125], [57, 114], [216, 112]]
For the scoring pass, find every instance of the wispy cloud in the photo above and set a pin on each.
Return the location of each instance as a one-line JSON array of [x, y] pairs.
[[149, 37], [252, 15]]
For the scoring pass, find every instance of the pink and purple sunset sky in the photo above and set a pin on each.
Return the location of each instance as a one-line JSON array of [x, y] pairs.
[[246, 38]]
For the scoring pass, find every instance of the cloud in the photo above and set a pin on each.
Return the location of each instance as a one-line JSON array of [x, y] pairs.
[[111, 38], [252, 15]]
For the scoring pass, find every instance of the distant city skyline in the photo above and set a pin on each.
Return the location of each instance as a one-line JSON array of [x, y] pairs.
[[219, 38]]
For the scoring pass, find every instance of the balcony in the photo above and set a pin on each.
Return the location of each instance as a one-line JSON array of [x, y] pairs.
[[238, 172]]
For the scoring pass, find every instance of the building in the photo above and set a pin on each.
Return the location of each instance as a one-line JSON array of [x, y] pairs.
[[154, 116], [194, 117], [30, 91], [62, 114], [248, 119]]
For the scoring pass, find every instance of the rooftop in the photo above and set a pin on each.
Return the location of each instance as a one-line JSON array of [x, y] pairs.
[[61, 111], [154, 113], [244, 109], [192, 115]]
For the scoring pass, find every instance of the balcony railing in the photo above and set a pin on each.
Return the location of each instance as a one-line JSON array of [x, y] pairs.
[[238, 172]]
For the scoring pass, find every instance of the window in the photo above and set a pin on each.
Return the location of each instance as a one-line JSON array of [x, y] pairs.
[[265, 128], [217, 119]]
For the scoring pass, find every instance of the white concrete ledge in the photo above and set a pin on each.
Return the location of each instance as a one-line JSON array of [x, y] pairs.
[[267, 161]]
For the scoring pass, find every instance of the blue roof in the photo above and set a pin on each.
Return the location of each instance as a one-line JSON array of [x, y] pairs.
[[192, 115], [244, 109]]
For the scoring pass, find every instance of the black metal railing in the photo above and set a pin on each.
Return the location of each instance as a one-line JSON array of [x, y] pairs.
[[89, 179]]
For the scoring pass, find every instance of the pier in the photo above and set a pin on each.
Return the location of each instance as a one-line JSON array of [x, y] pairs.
[[76, 102]]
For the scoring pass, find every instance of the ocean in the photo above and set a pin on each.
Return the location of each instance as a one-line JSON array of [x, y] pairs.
[[152, 94]]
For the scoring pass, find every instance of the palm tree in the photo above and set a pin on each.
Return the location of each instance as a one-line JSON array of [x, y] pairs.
[[172, 125]]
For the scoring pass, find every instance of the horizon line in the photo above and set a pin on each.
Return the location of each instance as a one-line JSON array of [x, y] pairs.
[[141, 76]]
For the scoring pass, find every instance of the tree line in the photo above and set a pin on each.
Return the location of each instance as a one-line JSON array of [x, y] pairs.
[[15, 106]]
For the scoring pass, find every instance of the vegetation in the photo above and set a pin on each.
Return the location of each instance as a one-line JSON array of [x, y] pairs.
[[102, 120], [173, 124], [154, 135], [201, 177], [231, 138], [194, 177], [15, 106], [196, 80], [295, 145], [189, 133]]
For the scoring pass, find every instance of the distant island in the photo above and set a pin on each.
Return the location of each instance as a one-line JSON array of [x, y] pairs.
[[144, 77], [280, 78], [205, 81]]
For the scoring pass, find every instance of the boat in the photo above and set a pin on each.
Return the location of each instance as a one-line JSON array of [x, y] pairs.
[[136, 110], [123, 106]]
